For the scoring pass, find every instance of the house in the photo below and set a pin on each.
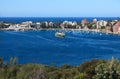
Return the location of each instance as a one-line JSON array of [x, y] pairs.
[[74, 23], [38, 25], [51, 24], [26, 24], [46, 24], [83, 22], [116, 27], [95, 21]]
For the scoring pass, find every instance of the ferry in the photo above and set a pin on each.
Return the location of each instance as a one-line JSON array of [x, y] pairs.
[[60, 34]]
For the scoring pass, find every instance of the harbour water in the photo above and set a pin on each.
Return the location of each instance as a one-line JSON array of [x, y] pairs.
[[44, 48]]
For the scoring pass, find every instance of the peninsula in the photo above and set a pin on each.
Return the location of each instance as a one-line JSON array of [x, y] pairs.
[[106, 26]]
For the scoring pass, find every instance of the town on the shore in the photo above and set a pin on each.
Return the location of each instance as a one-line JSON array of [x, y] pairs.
[[106, 26]]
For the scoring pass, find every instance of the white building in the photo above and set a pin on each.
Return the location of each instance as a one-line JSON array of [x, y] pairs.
[[38, 25], [95, 20], [74, 23], [26, 24], [51, 24], [101, 23], [46, 23]]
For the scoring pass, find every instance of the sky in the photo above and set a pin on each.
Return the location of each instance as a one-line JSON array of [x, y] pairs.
[[59, 8]]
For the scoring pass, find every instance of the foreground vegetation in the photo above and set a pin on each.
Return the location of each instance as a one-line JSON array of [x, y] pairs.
[[94, 69]]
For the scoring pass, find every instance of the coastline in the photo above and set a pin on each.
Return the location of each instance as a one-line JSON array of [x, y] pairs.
[[89, 30]]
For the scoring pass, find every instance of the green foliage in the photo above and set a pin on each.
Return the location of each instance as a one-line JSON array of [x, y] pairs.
[[43, 25], [102, 27], [90, 26], [57, 24], [89, 67], [31, 71], [94, 69], [66, 66], [108, 70], [1, 62], [63, 73], [80, 76]]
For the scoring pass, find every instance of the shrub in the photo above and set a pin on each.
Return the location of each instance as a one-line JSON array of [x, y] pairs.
[[80, 76]]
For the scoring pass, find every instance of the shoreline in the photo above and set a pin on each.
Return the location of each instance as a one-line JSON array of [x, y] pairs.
[[89, 30]]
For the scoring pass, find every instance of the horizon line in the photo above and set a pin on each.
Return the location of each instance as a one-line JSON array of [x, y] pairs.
[[59, 16]]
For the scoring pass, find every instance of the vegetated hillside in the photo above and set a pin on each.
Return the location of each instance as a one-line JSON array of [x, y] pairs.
[[94, 69]]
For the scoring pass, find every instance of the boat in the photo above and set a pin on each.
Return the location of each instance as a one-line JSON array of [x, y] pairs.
[[60, 34]]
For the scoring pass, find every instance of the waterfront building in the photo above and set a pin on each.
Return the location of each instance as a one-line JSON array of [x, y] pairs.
[[112, 23], [86, 28], [83, 22], [38, 25], [95, 21], [46, 24], [65, 24], [78, 27], [116, 27], [51, 24], [74, 23], [101, 23], [70, 23], [26, 24], [13, 26], [62, 26], [108, 29]]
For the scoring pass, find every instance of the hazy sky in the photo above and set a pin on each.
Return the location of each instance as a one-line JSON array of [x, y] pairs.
[[59, 8]]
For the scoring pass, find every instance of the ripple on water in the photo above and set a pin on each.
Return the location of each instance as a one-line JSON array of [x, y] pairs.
[[43, 47]]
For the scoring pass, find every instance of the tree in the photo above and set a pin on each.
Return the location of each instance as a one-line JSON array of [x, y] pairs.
[[57, 24], [107, 70], [43, 25], [1, 62], [102, 27]]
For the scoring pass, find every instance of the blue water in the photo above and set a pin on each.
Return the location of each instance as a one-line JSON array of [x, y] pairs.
[[53, 19], [44, 48]]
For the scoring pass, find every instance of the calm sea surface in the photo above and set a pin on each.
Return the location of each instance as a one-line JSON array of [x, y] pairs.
[[43, 47], [53, 19]]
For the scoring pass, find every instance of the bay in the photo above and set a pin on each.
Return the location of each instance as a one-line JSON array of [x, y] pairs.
[[43, 47]]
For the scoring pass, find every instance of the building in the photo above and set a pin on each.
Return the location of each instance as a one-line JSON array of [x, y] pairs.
[[62, 26], [74, 23], [101, 23], [95, 21], [46, 24], [38, 25], [116, 27], [78, 27], [83, 22], [108, 29], [51, 24], [26, 24], [13, 26]]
